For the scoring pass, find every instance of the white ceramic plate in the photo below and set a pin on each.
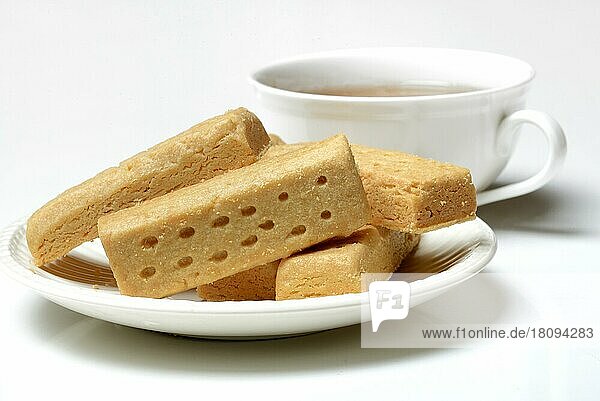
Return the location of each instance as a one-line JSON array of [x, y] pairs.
[[82, 282]]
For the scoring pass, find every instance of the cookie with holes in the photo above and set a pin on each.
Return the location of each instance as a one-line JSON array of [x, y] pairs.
[[232, 140], [233, 222]]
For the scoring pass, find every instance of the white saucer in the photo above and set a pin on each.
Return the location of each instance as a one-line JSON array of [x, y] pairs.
[[450, 255]]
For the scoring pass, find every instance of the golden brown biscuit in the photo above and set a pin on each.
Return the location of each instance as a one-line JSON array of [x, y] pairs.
[[407, 192], [255, 284], [210, 148], [236, 221], [335, 267], [414, 194]]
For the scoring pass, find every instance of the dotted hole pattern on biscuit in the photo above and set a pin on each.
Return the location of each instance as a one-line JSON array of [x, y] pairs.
[[149, 242], [147, 272], [221, 221]]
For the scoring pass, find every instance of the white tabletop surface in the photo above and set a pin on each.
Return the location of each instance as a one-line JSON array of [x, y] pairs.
[[82, 86]]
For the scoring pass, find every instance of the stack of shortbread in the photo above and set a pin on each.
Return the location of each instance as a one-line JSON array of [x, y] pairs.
[[239, 215]]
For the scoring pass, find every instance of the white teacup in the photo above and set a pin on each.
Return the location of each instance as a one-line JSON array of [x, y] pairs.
[[473, 128]]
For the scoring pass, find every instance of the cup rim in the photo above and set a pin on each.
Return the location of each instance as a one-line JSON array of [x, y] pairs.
[[257, 84]]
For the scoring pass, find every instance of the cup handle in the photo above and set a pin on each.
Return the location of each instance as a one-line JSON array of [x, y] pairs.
[[557, 149]]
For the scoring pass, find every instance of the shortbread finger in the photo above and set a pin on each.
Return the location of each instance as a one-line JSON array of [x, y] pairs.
[[236, 221], [256, 284], [414, 194], [407, 192], [335, 267], [222, 143]]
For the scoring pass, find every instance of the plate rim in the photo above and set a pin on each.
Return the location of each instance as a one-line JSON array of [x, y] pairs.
[[27, 276]]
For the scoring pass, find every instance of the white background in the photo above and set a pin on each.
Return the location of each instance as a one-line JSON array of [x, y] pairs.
[[86, 84]]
